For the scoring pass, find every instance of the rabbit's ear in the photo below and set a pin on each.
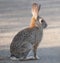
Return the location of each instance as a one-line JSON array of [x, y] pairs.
[[39, 7]]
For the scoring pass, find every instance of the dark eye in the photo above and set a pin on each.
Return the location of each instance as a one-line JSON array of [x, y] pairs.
[[42, 21]]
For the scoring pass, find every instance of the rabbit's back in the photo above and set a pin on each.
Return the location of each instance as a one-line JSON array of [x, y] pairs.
[[24, 34]]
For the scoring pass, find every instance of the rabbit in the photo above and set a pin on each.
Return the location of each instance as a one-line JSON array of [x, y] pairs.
[[29, 38]]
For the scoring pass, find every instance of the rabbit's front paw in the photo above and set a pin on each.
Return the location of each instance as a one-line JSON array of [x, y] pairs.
[[37, 57]]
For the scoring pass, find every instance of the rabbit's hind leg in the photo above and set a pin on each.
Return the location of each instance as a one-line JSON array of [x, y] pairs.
[[27, 47]]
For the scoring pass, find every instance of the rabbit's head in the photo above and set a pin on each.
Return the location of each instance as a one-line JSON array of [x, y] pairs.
[[41, 22], [35, 10]]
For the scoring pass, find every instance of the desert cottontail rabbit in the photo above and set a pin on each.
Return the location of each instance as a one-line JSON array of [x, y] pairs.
[[28, 38]]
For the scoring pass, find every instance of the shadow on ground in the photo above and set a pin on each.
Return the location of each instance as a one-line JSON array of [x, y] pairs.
[[47, 55]]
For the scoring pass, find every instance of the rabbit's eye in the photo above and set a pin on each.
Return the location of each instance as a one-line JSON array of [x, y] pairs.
[[42, 21]]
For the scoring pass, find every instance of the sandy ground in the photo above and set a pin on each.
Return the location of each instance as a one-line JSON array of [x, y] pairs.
[[16, 14]]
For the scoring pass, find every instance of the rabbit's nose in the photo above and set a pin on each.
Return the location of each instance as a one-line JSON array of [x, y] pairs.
[[46, 25]]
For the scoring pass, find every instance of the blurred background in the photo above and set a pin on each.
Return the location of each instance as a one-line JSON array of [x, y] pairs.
[[16, 15]]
